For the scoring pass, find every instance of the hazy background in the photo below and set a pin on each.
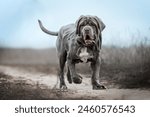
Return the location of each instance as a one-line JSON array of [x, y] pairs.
[[126, 20], [28, 61]]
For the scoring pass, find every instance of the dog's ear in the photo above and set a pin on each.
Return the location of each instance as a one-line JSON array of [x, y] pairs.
[[101, 25], [77, 24]]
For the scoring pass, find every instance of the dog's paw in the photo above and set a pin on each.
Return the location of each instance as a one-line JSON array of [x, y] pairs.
[[63, 88], [98, 87], [77, 79], [70, 81]]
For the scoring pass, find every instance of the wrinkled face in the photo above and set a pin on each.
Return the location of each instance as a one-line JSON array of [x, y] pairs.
[[88, 28]]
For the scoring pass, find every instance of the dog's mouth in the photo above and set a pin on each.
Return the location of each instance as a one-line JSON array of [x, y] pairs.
[[89, 41], [87, 37]]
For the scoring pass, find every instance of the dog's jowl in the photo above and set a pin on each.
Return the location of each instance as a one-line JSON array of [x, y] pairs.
[[79, 42]]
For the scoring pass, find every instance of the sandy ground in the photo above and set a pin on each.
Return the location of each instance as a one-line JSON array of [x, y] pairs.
[[75, 91]]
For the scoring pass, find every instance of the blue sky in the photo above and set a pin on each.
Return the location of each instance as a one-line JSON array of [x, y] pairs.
[[126, 20]]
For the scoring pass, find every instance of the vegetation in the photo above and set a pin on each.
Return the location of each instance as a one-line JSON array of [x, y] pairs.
[[122, 67]]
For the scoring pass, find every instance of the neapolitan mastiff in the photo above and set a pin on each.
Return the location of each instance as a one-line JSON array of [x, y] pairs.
[[79, 42]]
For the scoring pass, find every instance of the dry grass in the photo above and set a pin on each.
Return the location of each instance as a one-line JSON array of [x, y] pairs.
[[122, 67], [128, 67], [125, 67]]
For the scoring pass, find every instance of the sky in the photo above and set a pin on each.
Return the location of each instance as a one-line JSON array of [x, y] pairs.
[[127, 21]]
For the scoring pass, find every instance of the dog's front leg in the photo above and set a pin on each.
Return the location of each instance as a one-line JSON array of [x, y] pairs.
[[95, 65], [74, 76]]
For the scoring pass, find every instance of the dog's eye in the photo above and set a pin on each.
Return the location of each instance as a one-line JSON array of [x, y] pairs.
[[90, 23], [81, 26], [93, 26]]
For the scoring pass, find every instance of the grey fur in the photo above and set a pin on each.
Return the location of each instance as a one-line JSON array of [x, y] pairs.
[[72, 39]]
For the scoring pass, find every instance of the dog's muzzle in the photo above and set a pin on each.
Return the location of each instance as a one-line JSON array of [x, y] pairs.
[[88, 36]]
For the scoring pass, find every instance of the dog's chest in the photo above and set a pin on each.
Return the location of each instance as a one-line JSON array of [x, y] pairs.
[[84, 54]]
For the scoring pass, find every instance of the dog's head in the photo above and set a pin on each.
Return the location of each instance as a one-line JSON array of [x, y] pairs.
[[89, 28]]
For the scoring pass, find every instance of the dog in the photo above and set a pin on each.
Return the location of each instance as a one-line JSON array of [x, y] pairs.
[[79, 42]]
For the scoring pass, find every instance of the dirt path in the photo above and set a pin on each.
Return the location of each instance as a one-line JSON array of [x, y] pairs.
[[82, 91]]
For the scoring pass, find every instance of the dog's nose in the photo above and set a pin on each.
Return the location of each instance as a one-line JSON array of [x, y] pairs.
[[87, 30]]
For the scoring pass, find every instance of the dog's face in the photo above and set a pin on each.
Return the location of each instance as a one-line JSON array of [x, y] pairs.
[[89, 28]]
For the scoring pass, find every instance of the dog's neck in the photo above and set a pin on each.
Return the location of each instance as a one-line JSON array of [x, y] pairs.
[[84, 52]]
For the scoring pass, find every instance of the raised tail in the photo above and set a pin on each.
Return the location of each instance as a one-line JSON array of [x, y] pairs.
[[47, 31]]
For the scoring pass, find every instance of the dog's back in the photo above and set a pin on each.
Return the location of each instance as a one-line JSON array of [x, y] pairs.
[[65, 37]]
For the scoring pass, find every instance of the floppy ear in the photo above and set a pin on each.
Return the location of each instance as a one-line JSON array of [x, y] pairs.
[[101, 25], [77, 25]]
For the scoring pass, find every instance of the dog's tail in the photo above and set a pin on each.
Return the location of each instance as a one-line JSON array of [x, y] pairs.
[[47, 31]]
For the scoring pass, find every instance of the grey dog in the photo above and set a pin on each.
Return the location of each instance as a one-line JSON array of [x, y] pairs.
[[79, 42]]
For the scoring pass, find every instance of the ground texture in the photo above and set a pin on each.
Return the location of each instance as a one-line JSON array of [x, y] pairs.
[[28, 82]]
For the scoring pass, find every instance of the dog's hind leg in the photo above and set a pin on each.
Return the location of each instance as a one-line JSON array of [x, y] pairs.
[[62, 60]]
